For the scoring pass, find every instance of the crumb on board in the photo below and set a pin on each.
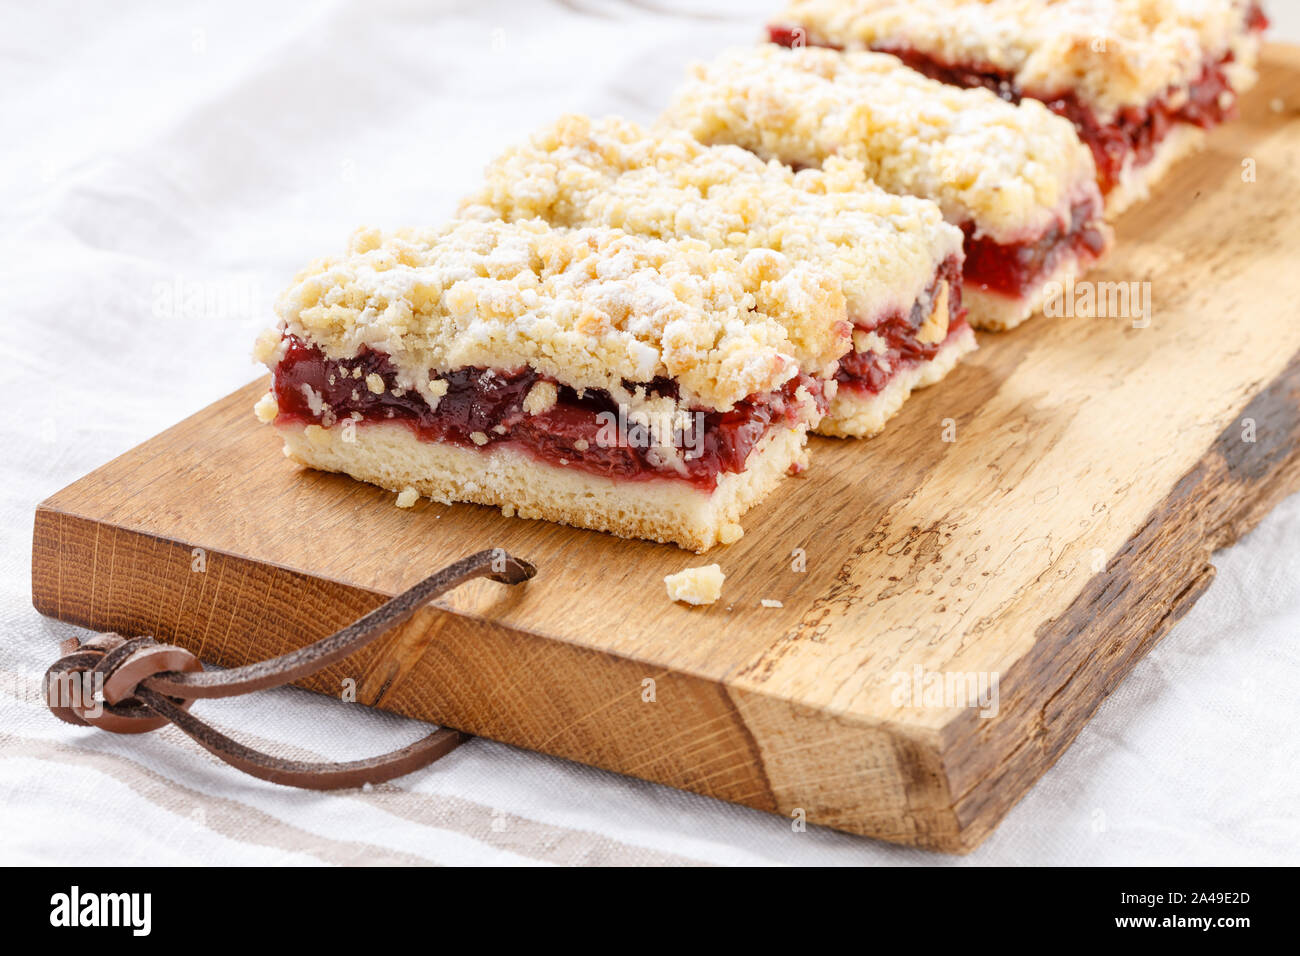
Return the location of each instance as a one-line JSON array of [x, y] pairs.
[[696, 585], [768, 602], [407, 497]]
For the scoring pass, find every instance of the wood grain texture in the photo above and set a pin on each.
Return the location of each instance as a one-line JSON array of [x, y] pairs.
[[1095, 468]]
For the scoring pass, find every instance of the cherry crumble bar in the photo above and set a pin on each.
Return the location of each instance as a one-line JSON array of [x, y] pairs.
[[1014, 178], [1141, 80], [634, 330], [654, 389], [897, 262]]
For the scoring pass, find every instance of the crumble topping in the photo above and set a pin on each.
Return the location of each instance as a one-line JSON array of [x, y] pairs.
[[869, 341], [268, 348], [730, 533], [1112, 53], [541, 398], [266, 408], [591, 308], [661, 182], [1012, 170], [696, 585]]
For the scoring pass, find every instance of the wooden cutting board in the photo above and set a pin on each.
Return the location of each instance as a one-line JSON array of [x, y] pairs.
[[1044, 515]]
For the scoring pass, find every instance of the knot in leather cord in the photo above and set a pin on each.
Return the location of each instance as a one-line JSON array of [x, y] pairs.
[[134, 685], [94, 684]]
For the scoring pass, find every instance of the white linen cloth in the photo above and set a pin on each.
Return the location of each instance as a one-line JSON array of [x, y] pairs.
[[168, 167]]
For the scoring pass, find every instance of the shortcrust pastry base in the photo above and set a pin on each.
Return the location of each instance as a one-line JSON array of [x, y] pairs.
[[856, 415], [666, 510]]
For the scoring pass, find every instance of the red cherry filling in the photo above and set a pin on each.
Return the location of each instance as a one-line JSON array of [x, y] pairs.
[[869, 372], [1015, 269], [484, 407]]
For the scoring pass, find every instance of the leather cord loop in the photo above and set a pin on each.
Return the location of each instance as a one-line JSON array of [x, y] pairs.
[[136, 685]]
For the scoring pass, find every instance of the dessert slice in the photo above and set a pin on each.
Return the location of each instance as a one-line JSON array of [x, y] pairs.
[[896, 261], [1141, 80], [1013, 178], [651, 389]]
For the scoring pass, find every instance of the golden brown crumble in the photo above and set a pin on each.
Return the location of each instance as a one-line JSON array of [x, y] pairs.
[[1012, 170], [884, 248], [591, 308], [1111, 53]]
